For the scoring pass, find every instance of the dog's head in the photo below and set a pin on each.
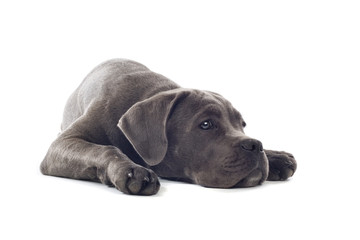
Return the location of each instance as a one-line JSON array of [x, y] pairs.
[[195, 136]]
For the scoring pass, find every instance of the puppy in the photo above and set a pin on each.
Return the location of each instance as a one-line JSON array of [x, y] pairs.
[[125, 126]]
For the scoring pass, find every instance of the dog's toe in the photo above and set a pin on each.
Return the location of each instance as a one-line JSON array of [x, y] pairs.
[[142, 181], [133, 179], [282, 165]]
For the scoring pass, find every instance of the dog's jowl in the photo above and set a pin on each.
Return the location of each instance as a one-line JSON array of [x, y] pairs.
[[125, 126]]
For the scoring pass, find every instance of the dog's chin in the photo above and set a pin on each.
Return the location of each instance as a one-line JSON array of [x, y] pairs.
[[255, 178]]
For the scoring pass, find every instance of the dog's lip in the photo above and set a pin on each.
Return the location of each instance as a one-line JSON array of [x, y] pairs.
[[251, 180]]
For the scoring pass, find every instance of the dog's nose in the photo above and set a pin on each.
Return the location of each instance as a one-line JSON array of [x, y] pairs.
[[251, 145]]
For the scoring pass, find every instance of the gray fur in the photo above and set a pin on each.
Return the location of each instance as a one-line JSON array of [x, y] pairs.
[[125, 125]]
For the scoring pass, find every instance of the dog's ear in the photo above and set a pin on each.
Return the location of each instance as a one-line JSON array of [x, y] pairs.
[[144, 124]]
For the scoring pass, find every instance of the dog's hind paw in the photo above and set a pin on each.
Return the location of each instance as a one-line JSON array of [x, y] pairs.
[[282, 165]]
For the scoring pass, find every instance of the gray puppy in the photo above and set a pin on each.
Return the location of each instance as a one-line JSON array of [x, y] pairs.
[[125, 125]]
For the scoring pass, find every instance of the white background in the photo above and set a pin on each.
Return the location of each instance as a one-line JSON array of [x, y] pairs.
[[290, 67]]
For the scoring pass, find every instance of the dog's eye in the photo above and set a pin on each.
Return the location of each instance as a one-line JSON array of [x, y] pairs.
[[244, 124], [206, 125]]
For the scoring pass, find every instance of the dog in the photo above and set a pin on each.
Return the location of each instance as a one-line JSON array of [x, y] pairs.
[[125, 126]]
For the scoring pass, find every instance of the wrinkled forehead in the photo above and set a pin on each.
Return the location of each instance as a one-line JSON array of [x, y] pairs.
[[214, 104]]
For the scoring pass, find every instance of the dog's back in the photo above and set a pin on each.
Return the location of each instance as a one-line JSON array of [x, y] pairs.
[[122, 81]]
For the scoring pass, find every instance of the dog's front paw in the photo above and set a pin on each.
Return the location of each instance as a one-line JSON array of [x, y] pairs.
[[282, 165], [135, 180]]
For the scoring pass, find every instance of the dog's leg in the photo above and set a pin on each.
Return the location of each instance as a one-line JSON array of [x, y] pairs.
[[72, 156], [282, 165]]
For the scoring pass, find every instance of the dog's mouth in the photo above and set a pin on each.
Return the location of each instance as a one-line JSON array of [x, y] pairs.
[[253, 179]]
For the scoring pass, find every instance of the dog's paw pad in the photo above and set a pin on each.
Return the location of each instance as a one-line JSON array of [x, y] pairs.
[[282, 165]]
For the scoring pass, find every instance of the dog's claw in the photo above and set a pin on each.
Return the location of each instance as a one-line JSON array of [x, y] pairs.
[[138, 181]]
